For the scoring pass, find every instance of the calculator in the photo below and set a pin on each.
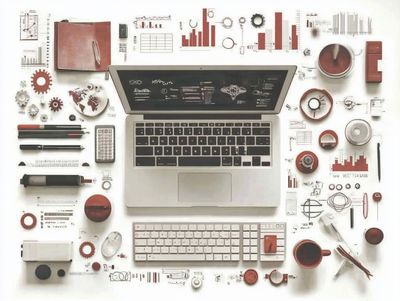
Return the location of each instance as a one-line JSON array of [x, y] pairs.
[[104, 143]]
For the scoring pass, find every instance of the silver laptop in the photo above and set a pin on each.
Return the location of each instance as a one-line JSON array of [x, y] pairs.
[[202, 135]]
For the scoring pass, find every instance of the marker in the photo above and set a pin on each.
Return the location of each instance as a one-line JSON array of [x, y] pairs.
[[50, 147], [378, 153], [33, 127]]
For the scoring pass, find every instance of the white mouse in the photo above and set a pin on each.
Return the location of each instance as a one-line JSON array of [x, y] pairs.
[[111, 244]]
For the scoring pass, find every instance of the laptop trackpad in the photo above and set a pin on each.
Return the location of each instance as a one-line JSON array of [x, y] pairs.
[[205, 187]]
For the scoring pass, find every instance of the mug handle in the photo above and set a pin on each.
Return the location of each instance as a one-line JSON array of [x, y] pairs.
[[326, 252]]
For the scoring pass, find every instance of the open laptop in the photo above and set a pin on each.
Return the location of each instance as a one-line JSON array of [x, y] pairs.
[[202, 135]]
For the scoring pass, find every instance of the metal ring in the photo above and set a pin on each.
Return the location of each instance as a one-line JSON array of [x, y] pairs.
[[191, 25], [24, 224], [348, 186], [339, 187], [228, 40], [210, 13], [227, 22], [357, 186], [242, 20], [331, 186], [106, 185]]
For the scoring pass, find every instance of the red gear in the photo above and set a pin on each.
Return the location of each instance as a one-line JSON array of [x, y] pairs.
[[47, 81]]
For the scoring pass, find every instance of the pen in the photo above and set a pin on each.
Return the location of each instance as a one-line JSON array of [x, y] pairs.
[[33, 127], [53, 180], [378, 153], [54, 134], [50, 147]]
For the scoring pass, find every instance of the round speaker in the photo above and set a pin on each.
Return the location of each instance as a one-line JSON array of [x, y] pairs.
[[97, 208], [358, 132]]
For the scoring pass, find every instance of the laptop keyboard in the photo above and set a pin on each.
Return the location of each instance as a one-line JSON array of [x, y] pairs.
[[203, 144]]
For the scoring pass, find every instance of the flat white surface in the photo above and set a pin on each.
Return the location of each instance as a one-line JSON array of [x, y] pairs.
[[17, 280]]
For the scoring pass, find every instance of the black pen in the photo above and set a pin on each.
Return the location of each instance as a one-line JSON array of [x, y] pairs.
[[378, 153], [35, 127], [50, 147]]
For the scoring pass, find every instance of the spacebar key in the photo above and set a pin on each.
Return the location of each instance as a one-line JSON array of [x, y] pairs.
[[176, 257], [199, 161]]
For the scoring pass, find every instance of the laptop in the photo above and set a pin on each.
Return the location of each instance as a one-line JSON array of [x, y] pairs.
[[202, 135]]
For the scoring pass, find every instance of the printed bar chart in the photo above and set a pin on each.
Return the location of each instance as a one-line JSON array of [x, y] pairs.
[[204, 38]]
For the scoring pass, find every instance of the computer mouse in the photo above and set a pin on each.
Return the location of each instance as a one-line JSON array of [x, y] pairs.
[[111, 244]]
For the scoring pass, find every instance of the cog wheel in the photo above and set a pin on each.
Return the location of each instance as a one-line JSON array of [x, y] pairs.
[[87, 249], [257, 20], [41, 81], [33, 110], [55, 104], [22, 98]]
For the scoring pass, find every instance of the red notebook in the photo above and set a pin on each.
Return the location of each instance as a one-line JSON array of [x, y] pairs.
[[82, 46]]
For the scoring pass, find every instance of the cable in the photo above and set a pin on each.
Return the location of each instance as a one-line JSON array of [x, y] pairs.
[[334, 203]]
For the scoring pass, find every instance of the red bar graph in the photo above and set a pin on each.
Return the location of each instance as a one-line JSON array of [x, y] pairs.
[[261, 41], [347, 165], [295, 38], [204, 38], [278, 30]]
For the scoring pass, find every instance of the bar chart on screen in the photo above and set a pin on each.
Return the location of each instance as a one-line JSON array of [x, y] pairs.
[[350, 163], [203, 37], [280, 34]]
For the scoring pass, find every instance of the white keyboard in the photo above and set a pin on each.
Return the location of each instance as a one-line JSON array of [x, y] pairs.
[[209, 241]]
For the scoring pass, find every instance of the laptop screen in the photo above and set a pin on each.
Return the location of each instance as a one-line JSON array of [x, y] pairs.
[[201, 89]]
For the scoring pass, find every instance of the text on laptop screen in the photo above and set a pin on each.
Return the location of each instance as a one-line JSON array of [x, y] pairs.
[[202, 89]]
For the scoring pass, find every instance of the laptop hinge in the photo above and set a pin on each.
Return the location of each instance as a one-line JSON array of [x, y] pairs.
[[201, 116]]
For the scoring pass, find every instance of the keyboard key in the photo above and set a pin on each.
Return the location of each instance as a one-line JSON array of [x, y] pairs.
[[193, 140], [205, 150], [231, 140], [247, 124], [177, 150], [250, 140], [140, 131], [196, 151], [212, 140], [168, 131], [226, 161], [142, 141], [202, 140], [158, 124], [237, 161], [149, 124], [260, 131], [198, 131], [158, 150], [140, 151], [221, 140], [257, 150], [216, 150], [159, 131], [145, 161], [178, 131], [242, 150], [256, 161], [141, 124], [173, 140], [149, 131], [246, 163], [225, 150], [236, 131], [203, 124], [219, 124], [226, 131], [207, 131], [238, 124], [266, 163], [168, 124], [176, 123], [166, 161], [216, 131], [199, 161], [262, 140], [167, 150], [240, 140], [188, 131], [153, 140], [182, 140], [187, 151], [193, 124], [246, 131], [164, 140]]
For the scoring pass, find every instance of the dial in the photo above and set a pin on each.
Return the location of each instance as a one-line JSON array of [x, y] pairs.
[[316, 104]]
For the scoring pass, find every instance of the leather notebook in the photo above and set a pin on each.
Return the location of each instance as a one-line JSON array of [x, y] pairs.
[[82, 46]]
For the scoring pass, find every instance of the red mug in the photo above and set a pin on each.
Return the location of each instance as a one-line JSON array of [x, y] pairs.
[[308, 254]]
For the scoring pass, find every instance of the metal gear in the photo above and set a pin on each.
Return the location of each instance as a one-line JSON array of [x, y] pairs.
[[55, 104], [33, 110], [41, 81], [22, 98], [257, 20]]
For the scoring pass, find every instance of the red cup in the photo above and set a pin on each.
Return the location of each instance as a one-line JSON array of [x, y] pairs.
[[308, 254]]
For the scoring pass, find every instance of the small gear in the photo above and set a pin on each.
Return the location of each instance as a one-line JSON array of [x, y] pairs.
[[257, 20], [33, 110], [22, 98], [55, 104], [87, 249], [41, 81], [44, 118]]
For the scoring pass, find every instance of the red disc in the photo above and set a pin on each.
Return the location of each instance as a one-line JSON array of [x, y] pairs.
[[87, 245], [32, 224], [97, 208], [96, 266], [250, 276], [374, 236], [328, 139], [307, 162]]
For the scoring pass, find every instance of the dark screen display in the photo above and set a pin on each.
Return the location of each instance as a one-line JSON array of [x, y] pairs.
[[202, 89]]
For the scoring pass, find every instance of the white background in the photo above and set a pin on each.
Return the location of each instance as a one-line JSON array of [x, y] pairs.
[[17, 280]]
